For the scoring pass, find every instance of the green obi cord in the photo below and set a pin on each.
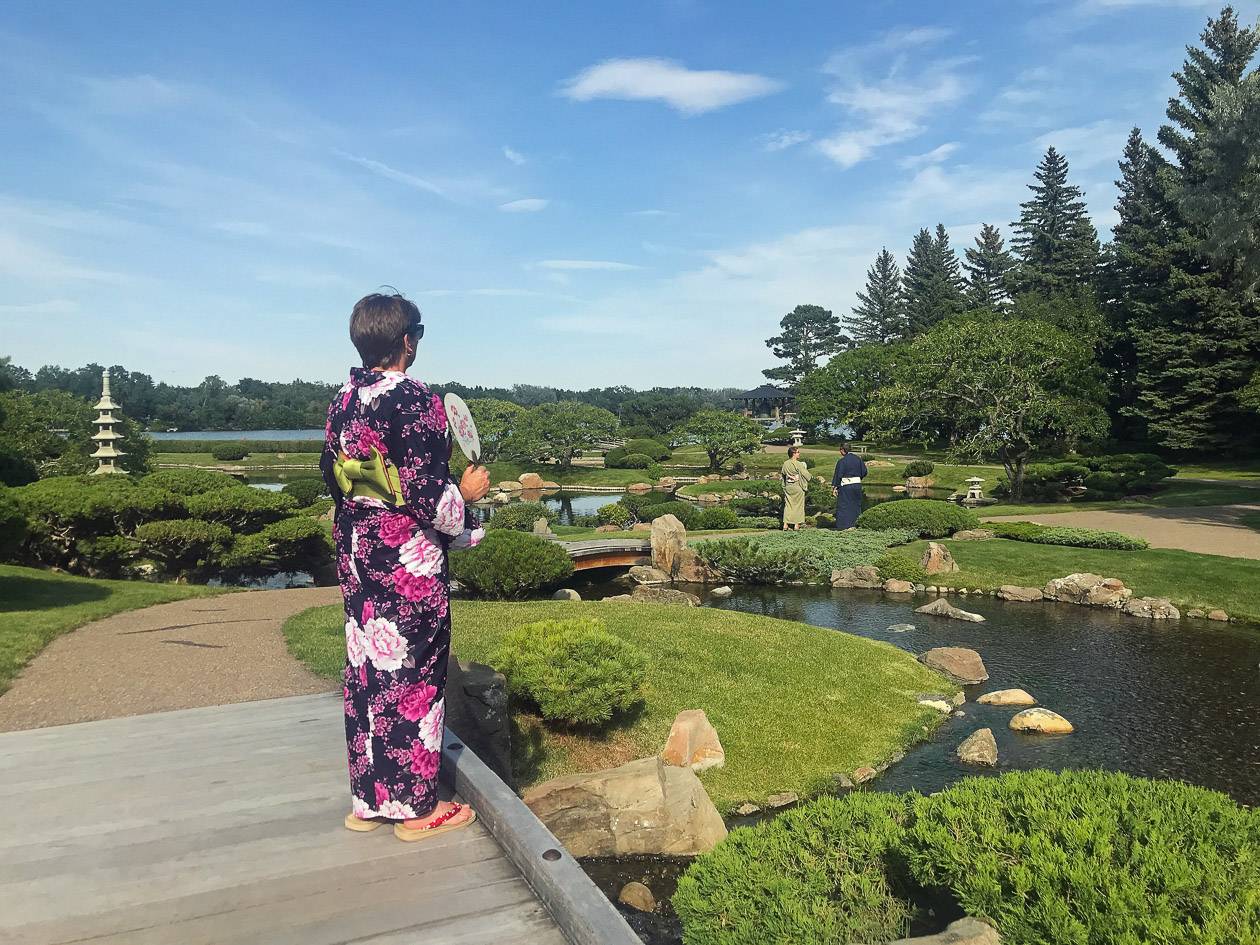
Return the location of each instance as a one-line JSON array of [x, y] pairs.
[[374, 477]]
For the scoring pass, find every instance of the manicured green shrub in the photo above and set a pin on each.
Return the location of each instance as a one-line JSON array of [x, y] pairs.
[[614, 513], [575, 671], [796, 556], [931, 518], [1063, 535], [760, 521], [1047, 482], [900, 567], [241, 508], [12, 524], [650, 448], [105, 555], [189, 481], [291, 544], [509, 565], [250, 446], [825, 520], [183, 544], [818, 498], [229, 452], [520, 516], [615, 456], [1092, 858], [755, 505], [1124, 474], [16, 469], [318, 508], [817, 875], [636, 461], [917, 468], [68, 508], [306, 491], [635, 504], [719, 517], [685, 512], [587, 521]]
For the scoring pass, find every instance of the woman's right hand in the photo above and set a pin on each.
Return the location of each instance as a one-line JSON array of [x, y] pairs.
[[475, 483]]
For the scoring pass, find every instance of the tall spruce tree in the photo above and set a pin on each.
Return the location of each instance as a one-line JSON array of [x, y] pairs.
[[880, 315], [809, 332], [988, 266], [1056, 244], [932, 284], [1197, 335]]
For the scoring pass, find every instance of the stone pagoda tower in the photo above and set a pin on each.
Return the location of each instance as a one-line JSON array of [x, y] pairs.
[[107, 453]]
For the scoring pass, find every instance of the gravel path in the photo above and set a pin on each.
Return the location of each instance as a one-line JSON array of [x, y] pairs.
[[1211, 530], [189, 653]]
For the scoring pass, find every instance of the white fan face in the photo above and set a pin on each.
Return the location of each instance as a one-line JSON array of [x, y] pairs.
[[462, 427]]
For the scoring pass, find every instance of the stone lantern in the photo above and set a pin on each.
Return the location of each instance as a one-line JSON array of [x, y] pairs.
[[798, 437], [974, 493], [106, 437]]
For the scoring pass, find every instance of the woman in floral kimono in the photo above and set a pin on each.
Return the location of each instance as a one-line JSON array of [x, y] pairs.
[[397, 514]]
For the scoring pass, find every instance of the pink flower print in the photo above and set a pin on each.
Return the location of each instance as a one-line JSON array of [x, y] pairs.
[[385, 646], [359, 808], [396, 529], [397, 810], [435, 417], [382, 794], [423, 761], [356, 645], [363, 675], [449, 517], [347, 701], [387, 382], [431, 726], [420, 556], [358, 440], [369, 610], [416, 588], [416, 702]]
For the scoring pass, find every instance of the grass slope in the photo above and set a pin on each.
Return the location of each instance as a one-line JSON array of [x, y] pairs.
[[38, 606], [793, 704], [1186, 578]]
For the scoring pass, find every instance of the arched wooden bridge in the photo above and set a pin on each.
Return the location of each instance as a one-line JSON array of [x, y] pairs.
[[608, 552]]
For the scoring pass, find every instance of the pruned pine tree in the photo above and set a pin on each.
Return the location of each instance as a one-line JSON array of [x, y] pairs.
[[810, 332]]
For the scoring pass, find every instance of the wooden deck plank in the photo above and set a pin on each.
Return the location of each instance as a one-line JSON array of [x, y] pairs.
[[223, 825]]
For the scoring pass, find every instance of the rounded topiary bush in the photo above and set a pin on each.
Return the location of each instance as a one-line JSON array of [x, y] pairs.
[[817, 875], [509, 565], [686, 513], [637, 505], [720, 518], [306, 491], [1093, 857], [615, 456], [12, 524], [754, 505], [917, 469], [519, 516], [649, 448], [575, 671], [932, 518], [900, 567], [189, 481], [228, 452], [182, 543], [614, 513], [636, 461], [241, 508]]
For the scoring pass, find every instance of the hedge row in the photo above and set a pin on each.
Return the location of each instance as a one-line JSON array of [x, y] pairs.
[[930, 518], [779, 557], [1064, 535], [249, 446]]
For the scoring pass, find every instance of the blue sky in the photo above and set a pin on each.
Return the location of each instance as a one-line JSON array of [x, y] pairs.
[[575, 194]]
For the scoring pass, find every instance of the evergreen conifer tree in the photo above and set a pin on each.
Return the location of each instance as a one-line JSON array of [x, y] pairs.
[[809, 332], [880, 315], [988, 267], [1056, 243], [932, 283]]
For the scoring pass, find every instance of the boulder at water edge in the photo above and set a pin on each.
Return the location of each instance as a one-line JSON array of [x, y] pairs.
[[979, 748], [937, 559], [1090, 589], [721, 592], [1217, 614], [958, 662], [669, 538], [894, 586], [693, 742], [530, 481], [962, 932], [645, 807], [1007, 697], [646, 594], [864, 576], [1041, 720], [638, 897], [566, 593], [643, 574], [1152, 608], [943, 608], [1015, 592]]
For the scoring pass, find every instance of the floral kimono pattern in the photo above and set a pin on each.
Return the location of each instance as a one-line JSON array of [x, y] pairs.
[[391, 563]]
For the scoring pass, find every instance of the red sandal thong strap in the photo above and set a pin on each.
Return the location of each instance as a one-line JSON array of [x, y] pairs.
[[455, 811]]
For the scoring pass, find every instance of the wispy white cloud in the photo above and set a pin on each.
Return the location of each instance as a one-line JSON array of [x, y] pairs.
[[527, 205], [392, 173], [1026, 101], [29, 262], [890, 101], [1099, 142], [936, 156], [690, 91], [651, 213], [513, 155], [939, 193], [783, 139], [573, 265]]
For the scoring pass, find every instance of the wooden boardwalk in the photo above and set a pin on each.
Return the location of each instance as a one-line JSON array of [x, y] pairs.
[[223, 825]]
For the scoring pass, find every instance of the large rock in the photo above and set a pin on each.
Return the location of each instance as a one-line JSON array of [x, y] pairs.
[[958, 662], [643, 574], [721, 592], [542, 528], [1007, 697], [530, 480], [1152, 608], [979, 748], [477, 711], [510, 486], [645, 807], [1015, 592], [566, 593], [669, 538], [1041, 720], [1090, 589], [693, 742], [637, 896], [962, 932], [1217, 614], [943, 608], [973, 534], [862, 576], [937, 559], [646, 594], [920, 482], [691, 570], [894, 586]]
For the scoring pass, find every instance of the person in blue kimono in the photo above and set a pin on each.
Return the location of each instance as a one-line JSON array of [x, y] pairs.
[[846, 484]]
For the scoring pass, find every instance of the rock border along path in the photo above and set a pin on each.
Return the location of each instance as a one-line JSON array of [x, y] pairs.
[[180, 655]]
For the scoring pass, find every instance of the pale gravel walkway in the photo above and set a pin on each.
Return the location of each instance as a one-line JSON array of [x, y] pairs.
[[182, 655], [1210, 530]]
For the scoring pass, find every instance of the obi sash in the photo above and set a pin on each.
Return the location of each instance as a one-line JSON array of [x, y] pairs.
[[851, 480], [375, 477]]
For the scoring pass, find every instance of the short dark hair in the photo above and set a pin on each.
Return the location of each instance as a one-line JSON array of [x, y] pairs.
[[378, 325], [844, 446], [793, 451]]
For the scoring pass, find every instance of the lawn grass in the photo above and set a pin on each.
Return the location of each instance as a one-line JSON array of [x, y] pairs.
[[1245, 469], [793, 704], [721, 487], [1185, 578], [38, 606]]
